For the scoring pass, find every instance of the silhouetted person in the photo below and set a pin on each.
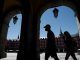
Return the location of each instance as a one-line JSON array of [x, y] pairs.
[[70, 45], [50, 44]]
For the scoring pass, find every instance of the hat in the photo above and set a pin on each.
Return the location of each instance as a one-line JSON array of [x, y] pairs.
[[47, 26]]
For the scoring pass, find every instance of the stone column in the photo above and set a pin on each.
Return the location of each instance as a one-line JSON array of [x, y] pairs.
[[2, 47], [78, 15], [35, 35], [24, 38], [27, 48], [3, 37]]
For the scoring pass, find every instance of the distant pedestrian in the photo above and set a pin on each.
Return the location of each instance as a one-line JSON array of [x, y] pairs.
[[51, 49], [70, 45]]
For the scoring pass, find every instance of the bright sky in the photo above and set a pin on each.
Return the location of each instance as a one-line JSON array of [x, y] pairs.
[[14, 29], [66, 20]]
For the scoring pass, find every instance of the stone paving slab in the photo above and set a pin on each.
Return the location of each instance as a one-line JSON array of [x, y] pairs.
[[12, 56]]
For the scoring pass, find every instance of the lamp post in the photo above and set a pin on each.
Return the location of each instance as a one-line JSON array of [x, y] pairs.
[[15, 18], [55, 12]]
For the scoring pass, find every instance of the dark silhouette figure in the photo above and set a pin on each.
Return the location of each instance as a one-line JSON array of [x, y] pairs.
[[70, 45], [50, 45]]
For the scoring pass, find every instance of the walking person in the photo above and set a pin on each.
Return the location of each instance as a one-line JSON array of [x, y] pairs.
[[70, 45], [50, 45]]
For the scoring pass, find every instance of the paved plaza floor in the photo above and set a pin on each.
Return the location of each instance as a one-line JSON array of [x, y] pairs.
[[12, 56]]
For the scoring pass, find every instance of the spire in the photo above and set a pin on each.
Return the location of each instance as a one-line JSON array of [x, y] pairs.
[[18, 36], [61, 34]]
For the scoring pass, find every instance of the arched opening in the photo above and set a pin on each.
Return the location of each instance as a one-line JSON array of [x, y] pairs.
[[66, 21], [13, 34], [11, 31]]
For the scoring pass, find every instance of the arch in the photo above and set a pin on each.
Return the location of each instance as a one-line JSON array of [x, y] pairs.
[[8, 14], [5, 25], [54, 4], [7, 19], [59, 3], [48, 5]]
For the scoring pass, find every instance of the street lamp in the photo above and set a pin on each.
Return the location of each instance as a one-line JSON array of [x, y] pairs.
[[55, 12], [15, 18]]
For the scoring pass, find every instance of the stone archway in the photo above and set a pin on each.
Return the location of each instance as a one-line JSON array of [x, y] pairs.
[[5, 27], [44, 7], [52, 5], [6, 22]]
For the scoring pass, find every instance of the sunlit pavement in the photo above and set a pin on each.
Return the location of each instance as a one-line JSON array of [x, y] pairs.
[[60, 55], [12, 56]]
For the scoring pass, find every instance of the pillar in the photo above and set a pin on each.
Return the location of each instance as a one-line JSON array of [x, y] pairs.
[[78, 15], [2, 47], [27, 48], [35, 35]]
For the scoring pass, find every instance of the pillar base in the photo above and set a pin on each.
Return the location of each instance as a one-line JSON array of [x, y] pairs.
[[2, 52], [3, 55]]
